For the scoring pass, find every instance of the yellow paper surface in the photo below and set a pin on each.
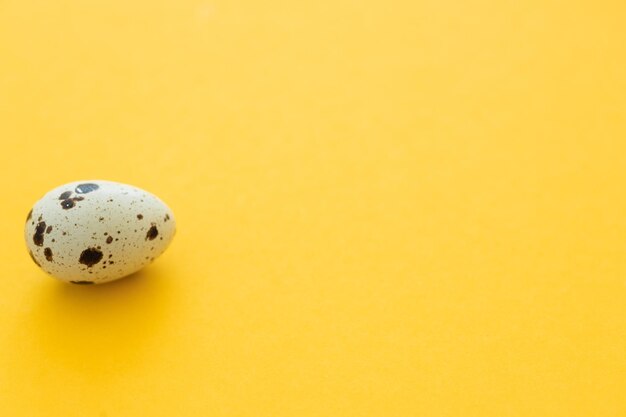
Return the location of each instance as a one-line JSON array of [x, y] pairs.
[[401, 208]]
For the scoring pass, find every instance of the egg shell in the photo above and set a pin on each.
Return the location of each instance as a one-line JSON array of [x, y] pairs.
[[92, 232]]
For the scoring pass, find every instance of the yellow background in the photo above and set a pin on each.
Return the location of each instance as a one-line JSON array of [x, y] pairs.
[[385, 208]]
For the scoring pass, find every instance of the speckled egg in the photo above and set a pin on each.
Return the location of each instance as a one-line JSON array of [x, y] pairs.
[[92, 232]]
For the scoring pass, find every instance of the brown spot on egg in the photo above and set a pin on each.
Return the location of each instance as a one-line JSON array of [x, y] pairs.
[[40, 218], [81, 282], [39, 231], [49, 229], [153, 232], [33, 258], [48, 253], [65, 195], [67, 204], [167, 217], [109, 239], [90, 257], [140, 216], [64, 233]]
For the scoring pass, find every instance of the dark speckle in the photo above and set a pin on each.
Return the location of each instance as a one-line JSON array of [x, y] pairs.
[[38, 236], [49, 229], [48, 253], [67, 204], [65, 195], [167, 217], [109, 239], [101, 218], [90, 257], [86, 188], [40, 218], [64, 233], [33, 258], [53, 240], [140, 216], [81, 282], [153, 232], [30, 215]]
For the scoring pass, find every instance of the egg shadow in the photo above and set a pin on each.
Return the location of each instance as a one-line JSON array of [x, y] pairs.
[[101, 330]]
